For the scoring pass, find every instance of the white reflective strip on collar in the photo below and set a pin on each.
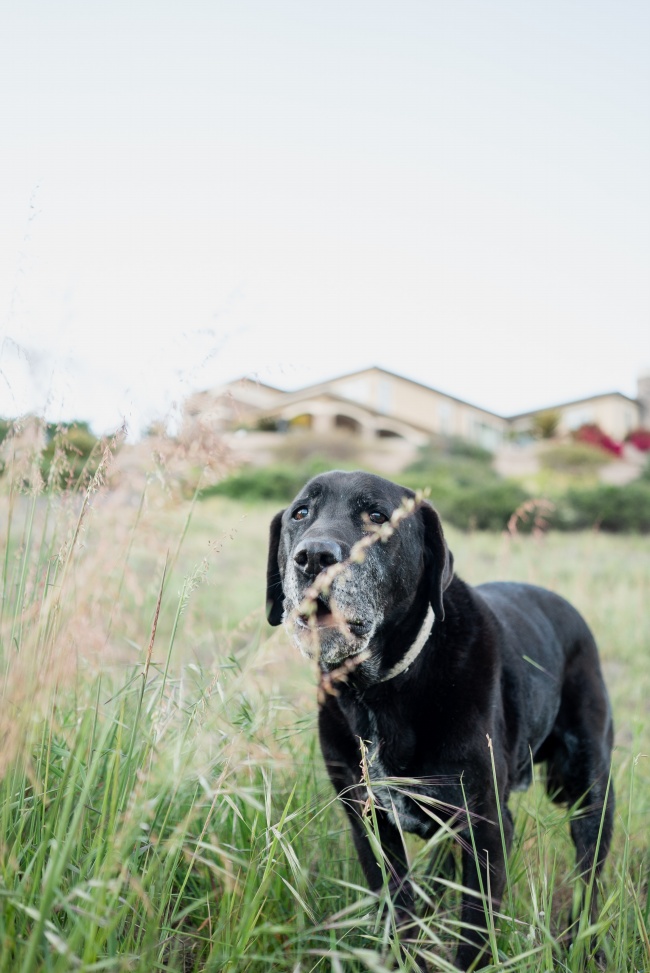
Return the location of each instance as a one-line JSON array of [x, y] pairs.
[[415, 649]]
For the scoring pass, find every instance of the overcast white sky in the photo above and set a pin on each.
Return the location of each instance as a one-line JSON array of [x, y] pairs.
[[456, 191]]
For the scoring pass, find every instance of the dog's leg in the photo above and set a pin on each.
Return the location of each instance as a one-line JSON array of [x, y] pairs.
[[584, 784], [484, 874], [578, 767], [394, 863], [354, 798], [578, 773], [442, 864], [342, 759]]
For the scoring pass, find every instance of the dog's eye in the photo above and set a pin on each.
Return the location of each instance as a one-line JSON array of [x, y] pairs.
[[300, 513], [376, 517]]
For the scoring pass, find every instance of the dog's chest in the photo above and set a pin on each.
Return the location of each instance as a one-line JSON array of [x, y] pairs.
[[385, 767]]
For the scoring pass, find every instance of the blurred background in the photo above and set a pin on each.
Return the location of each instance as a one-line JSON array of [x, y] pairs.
[[456, 193]]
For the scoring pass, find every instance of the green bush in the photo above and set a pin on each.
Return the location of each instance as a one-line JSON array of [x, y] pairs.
[[610, 508], [5, 428], [469, 495], [449, 467], [466, 490], [72, 453], [487, 507], [574, 458], [545, 424], [448, 449], [258, 483], [462, 484], [302, 447]]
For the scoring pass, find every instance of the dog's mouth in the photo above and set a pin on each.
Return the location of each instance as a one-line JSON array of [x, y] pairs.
[[322, 617]]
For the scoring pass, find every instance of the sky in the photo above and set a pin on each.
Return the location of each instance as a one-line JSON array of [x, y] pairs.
[[455, 191]]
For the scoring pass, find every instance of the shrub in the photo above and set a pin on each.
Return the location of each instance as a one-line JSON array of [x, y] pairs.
[[486, 507], [609, 508], [71, 453], [462, 447], [639, 438], [303, 447], [5, 428], [575, 458], [258, 483], [545, 424], [447, 465], [446, 449], [592, 433], [463, 486], [267, 424]]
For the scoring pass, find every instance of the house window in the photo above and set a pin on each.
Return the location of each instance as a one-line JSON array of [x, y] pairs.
[[445, 418], [575, 418], [486, 435], [384, 395], [303, 421]]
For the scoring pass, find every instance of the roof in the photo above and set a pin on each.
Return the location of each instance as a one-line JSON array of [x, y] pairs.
[[566, 405], [403, 378], [322, 386]]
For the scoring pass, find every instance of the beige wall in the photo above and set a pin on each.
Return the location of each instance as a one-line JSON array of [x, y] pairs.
[[421, 406], [324, 409], [404, 403], [615, 415]]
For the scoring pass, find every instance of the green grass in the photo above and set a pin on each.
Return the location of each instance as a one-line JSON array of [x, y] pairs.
[[162, 798]]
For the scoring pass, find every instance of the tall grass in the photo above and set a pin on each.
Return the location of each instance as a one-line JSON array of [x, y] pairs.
[[162, 799]]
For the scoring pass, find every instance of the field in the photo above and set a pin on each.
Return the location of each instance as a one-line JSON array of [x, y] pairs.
[[163, 800]]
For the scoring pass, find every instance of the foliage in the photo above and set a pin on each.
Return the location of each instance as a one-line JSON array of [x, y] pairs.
[[304, 447], [545, 424], [448, 465], [487, 507], [639, 438], [60, 454], [267, 424], [443, 449], [464, 487], [163, 805], [576, 458], [609, 508], [5, 429], [470, 495], [260, 483], [592, 433], [72, 452]]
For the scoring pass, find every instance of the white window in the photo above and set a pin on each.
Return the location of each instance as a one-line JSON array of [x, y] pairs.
[[445, 418], [384, 395], [577, 417]]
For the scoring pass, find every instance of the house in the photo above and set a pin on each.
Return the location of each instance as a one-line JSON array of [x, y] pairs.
[[376, 404], [615, 413]]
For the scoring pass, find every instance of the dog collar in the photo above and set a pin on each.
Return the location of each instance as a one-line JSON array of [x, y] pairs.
[[415, 649]]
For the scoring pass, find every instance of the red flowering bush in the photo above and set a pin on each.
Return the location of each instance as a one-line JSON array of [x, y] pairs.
[[639, 438], [592, 434]]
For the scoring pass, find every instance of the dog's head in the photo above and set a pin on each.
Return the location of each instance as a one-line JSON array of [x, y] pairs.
[[335, 608]]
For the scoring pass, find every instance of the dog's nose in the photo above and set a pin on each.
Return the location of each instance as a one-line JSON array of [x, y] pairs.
[[314, 555]]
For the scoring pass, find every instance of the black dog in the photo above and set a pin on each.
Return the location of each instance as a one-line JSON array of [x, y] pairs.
[[428, 669]]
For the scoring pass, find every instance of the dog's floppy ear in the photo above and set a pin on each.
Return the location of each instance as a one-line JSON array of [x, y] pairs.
[[274, 590], [440, 558]]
